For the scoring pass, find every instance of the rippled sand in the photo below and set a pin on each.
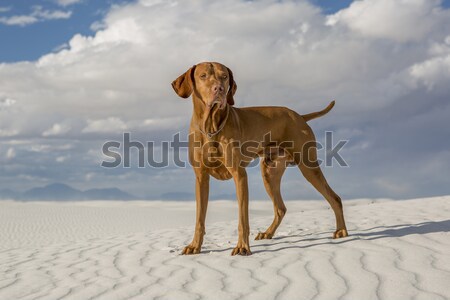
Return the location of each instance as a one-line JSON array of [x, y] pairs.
[[130, 250]]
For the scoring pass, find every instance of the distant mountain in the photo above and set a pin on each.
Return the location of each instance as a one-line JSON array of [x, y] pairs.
[[64, 192], [55, 191]]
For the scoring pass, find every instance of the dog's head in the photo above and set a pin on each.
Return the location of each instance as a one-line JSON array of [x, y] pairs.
[[212, 82]]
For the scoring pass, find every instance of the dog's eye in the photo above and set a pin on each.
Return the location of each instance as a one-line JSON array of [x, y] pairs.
[[224, 77], [203, 76]]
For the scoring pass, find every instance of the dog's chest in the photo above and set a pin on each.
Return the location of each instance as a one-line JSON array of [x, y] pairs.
[[211, 155]]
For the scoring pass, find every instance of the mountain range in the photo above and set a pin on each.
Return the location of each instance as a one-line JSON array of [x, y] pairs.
[[64, 192]]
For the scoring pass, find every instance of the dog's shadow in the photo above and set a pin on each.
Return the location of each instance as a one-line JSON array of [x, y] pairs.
[[373, 233]]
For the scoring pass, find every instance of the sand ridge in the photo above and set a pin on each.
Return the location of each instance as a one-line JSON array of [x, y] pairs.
[[397, 250]]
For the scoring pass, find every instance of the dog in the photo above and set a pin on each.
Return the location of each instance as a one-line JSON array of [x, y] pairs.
[[224, 139]]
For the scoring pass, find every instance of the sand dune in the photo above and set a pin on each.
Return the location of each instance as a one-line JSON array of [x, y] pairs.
[[130, 250]]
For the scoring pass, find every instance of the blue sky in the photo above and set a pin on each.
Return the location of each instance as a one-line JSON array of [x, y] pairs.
[[74, 74], [29, 42]]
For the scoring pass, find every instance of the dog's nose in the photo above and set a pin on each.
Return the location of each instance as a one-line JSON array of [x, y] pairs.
[[218, 89]]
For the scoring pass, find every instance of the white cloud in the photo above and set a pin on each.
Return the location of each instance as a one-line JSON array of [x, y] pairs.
[[40, 148], [6, 103], [56, 130], [38, 14], [433, 72], [60, 47], [89, 176], [33, 146], [402, 20], [8, 132], [4, 9], [51, 15], [68, 2], [155, 123], [97, 25], [61, 159], [18, 20], [109, 125], [11, 153]]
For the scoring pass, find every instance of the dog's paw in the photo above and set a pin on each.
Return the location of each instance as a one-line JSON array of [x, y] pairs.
[[340, 233], [263, 236], [245, 251], [191, 249]]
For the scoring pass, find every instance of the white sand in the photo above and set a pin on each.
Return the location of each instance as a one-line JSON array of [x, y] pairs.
[[130, 250]]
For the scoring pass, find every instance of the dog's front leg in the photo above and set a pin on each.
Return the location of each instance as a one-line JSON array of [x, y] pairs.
[[243, 245], [201, 195]]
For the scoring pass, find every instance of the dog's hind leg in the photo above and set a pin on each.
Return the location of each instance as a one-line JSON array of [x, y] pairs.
[[314, 175], [272, 171]]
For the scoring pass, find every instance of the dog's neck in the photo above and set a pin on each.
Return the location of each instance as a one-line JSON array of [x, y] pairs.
[[208, 120]]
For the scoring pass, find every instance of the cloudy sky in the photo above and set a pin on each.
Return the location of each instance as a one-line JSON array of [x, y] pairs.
[[75, 74]]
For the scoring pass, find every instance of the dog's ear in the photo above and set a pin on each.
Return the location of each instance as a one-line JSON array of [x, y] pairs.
[[184, 84], [232, 89]]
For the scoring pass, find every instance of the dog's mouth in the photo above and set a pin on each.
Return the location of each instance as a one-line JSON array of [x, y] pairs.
[[219, 101], [215, 106]]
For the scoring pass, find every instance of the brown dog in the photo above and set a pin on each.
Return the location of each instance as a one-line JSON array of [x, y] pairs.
[[224, 139]]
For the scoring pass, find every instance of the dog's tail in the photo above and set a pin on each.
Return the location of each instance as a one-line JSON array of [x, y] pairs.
[[317, 114]]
